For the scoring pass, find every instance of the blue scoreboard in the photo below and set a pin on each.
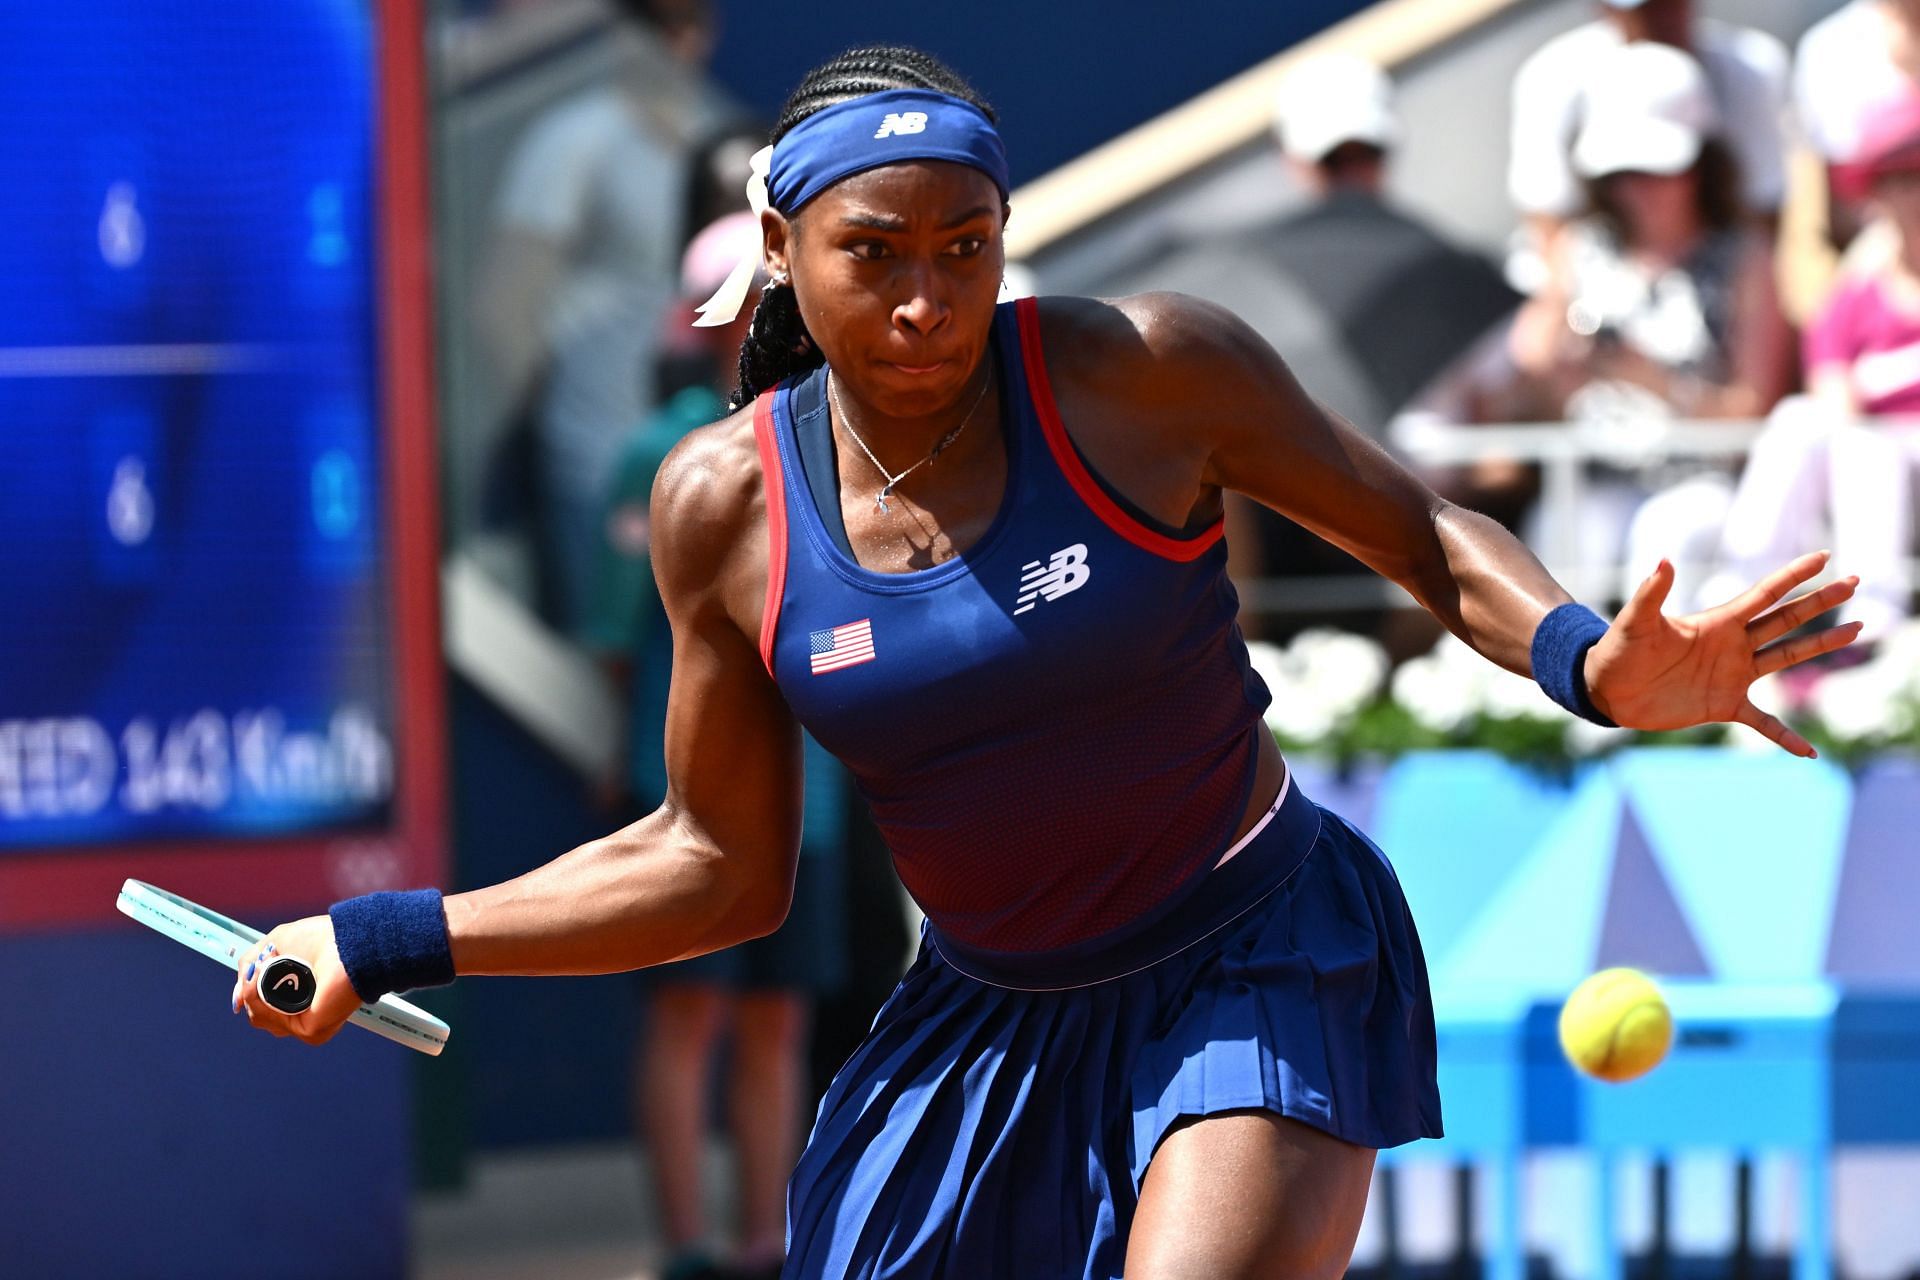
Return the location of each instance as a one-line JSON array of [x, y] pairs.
[[217, 653]]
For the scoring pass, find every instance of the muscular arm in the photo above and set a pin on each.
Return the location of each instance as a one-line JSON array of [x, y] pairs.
[[715, 864], [1193, 388]]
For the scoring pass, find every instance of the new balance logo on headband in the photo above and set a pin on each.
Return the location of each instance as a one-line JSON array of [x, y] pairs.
[[899, 122]]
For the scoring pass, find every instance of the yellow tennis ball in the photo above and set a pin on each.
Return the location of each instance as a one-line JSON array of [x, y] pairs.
[[1616, 1025]]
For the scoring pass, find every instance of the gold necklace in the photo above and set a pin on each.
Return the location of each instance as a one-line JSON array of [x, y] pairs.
[[886, 491]]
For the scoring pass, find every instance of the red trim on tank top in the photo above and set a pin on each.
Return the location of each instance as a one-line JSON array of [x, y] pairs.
[[774, 481], [1068, 458]]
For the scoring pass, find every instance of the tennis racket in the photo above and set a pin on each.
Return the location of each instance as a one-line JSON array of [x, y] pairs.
[[287, 981]]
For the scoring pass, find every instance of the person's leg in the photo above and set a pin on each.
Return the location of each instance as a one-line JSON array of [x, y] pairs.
[[1681, 523], [1248, 1195], [683, 1023], [1598, 532], [767, 1095], [1872, 524], [1779, 506]]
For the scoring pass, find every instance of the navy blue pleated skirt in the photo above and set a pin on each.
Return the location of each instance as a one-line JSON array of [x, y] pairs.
[[985, 1131]]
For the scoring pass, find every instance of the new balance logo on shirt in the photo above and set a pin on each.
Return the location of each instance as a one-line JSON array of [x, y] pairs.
[[1066, 571], [899, 122]]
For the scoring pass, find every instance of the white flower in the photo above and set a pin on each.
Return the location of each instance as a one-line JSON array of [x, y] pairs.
[[1270, 664], [1512, 697], [1770, 694], [1296, 712], [1345, 669], [1455, 652], [1437, 695], [1318, 682], [1302, 718], [1585, 738], [1864, 702], [1900, 651]]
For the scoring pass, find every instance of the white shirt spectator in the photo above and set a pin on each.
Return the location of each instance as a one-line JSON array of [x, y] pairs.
[[1747, 70], [1843, 68], [590, 176], [602, 179]]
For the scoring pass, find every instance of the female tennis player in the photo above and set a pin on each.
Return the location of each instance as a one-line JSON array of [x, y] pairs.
[[1166, 1008]]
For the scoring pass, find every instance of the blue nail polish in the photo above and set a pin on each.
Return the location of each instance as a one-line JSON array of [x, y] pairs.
[[271, 949], [249, 973]]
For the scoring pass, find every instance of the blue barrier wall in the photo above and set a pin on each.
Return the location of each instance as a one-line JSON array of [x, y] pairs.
[[1688, 863], [147, 1132]]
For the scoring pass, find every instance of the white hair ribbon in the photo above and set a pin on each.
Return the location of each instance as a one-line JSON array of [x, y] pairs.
[[724, 306]]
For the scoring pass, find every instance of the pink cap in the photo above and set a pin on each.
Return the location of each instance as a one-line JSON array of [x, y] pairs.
[[1889, 143], [713, 254]]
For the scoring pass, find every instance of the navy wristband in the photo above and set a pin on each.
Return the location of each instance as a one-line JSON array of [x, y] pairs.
[[392, 942], [1560, 655]]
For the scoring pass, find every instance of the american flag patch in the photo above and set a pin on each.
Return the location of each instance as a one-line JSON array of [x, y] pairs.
[[843, 646]]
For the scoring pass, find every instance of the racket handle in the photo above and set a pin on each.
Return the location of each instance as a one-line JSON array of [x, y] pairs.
[[287, 984]]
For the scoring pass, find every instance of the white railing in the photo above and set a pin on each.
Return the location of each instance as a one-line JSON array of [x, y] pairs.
[[539, 677], [1567, 454]]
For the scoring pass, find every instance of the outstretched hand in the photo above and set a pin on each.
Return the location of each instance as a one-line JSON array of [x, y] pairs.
[[1650, 671]]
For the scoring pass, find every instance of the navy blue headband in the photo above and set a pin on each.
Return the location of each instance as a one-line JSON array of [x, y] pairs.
[[878, 129]]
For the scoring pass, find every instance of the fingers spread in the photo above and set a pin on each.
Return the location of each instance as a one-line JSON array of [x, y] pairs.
[[1772, 728], [1648, 598], [1773, 588], [1789, 652], [1770, 626]]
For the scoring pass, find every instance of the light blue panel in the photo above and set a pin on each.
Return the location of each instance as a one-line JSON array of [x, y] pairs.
[[1539, 932], [1352, 793], [1752, 846], [1644, 928], [1873, 940], [1482, 1075], [1457, 824]]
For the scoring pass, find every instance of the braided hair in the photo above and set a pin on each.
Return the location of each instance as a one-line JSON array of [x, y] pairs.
[[778, 344]]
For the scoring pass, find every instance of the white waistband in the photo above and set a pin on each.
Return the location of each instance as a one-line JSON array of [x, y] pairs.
[[1286, 785]]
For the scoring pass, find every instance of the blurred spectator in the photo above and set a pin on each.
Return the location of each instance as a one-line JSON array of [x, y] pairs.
[[1816, 463], [1866, 53], [717, 173], [1660, 303], [1404, 300], [1746, 71], [582, 266], [716, 186], [762, 991], [1394, 300]]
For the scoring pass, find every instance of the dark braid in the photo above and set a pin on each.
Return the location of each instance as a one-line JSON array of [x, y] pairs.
[[874, 69], [778, 345]]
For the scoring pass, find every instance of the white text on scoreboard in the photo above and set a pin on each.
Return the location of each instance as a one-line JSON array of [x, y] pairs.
[[76, 767]]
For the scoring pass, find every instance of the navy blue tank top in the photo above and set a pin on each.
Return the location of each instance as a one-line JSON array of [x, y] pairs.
[[1057, 729]]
